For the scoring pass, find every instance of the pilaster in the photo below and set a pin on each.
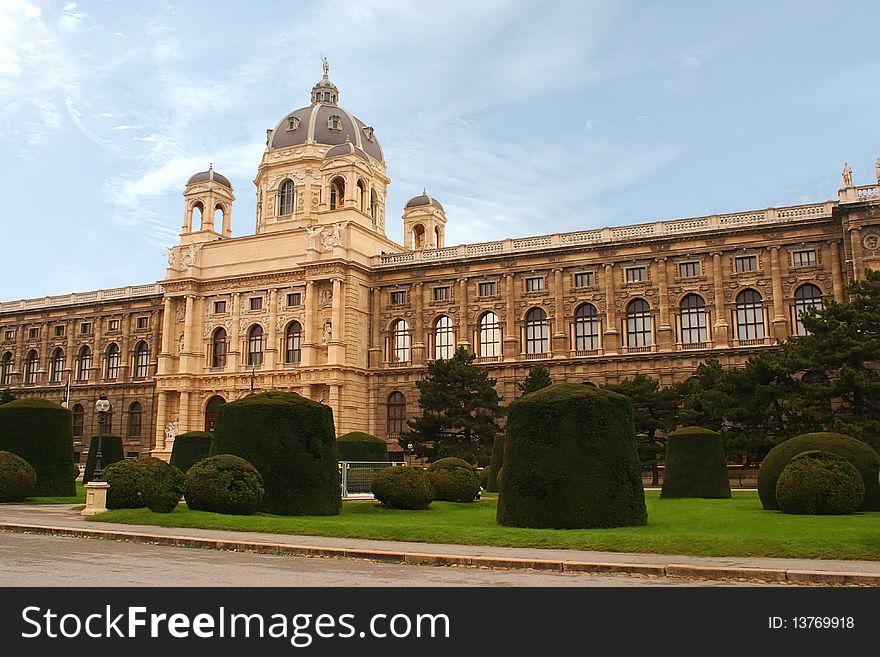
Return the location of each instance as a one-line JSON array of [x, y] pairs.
[[665, 336], [721, 328], [611, 338]]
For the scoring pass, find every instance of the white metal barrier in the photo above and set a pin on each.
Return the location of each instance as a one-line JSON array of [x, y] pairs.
[[356, 477]]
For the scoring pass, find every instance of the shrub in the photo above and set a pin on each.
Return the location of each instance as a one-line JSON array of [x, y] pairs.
[[454, 480], [359, 446], [571, 460], [111, 452], [860, 455], [17, 478], [41, 432], [224, 484], [484, 477], [495, 461], [149, 482], [695, 465], [190, 448], [291, 442], [819, 483], [403, 487]]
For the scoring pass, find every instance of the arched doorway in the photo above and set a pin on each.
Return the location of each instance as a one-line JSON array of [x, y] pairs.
[[212, 410]]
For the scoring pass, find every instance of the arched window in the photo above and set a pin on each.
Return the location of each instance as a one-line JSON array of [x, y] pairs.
[[293, 343], [749, 315], [444, 338], [219, 213], [337, 194], [490, 336], [587, 328], [374, 205], [363, 197], [212, 411], [218, 348], [112, 371], [135, 419], [79, 418], [196, 216], [31, 366], [84, 363], [537, 332], [255, 345], [6, 369], [396, 413], [694, 320], [438, 237], [638, 324], [141, 360], [56, 369], [807, 296], [419, 236], [286, 198], [400, 342]]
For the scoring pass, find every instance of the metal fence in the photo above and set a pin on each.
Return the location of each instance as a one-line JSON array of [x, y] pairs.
[[357, 476]]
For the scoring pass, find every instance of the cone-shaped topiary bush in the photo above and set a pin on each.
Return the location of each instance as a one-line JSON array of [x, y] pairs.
[[111, 452], [860, 455], [41, 432], [359, 446], [571, 460], [224, 484], [17, 478], [819, 483], [403, 487], [149, 482], [189, 448], [290, 440], [695, 464], [495, 462], [454, 480]]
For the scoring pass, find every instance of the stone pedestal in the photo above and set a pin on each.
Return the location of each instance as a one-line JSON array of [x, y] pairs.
[[96, 497]]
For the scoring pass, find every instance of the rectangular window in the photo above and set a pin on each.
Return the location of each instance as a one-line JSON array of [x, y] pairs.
[[635, 274], [143, 323], [131, 456], [803, 258], [295, 299], [535, 284], [33, 333], [488, 289], [398, 298], [584, 279], [256, 303], [745, 264], [219, 307], [85, 328], [113, 325], [59, 331], [688, 269], [442, 293], [10, 335]]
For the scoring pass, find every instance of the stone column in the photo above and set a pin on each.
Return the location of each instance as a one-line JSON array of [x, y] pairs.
[[20, 352], [71, 356], [855, 236], [720, 330], [186, 364], [419, 346], [611, 337], [665, 333], [375, 349], [125, 355], [336, 348], [183, 419], [45, 356], [165, 355], [233, 354], [98, 353], [836, 272], [311, 337], [780, 323], [559, 346], [272, 331], [463, 331], [335, 404], [161, 420], [155, 328], [510, 343]]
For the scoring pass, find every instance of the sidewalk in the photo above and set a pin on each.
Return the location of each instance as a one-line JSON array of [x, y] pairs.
[[63, 521]]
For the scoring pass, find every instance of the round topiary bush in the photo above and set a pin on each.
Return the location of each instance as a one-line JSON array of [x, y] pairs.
[[190, 448], [403, 487], [695, 465], [41, 432], [571, 461], [860, 455], [149, 482], [359, 446], [290, 440], [17, 478], [454, 480], [111, 452], [224, 484], [819, 483], [495, 462]]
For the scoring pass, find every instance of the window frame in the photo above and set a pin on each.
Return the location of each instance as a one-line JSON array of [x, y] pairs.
[[487, 285], [750, 315], [801, 304], [693, 321], [444, 338], [639, 325], [742, 259], [489, 335], [537, 332], [590, 278], [629, 274], [587, 328], [293, 343], [534, 284], [445, 295], [690, 269]]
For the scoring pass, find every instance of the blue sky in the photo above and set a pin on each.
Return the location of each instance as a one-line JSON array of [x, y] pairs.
[[521, 117]]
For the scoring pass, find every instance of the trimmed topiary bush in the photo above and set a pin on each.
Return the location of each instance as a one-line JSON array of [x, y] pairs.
[[571, 461], [41, 432], [860, 455], [819, 483], [224, 484], [190, 448], [359, 446], [495, 462], [454, 480], [290, 440], [695, 464], [17, 478], [111, 452], [149, 482], [403, 487]]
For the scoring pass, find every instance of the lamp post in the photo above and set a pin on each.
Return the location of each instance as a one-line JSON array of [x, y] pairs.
[[96, 489], [102, 406], [409, 454]]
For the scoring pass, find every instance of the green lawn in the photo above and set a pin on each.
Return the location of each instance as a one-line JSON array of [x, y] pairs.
[[79, 498], [684, 526]]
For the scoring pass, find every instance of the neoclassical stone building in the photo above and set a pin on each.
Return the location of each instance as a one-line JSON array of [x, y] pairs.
[[321, 302]]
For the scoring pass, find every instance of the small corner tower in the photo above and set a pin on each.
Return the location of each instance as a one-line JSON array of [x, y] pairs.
[[208, 197], [424, 223]]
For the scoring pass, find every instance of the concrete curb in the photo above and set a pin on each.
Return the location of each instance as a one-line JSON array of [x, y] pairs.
[[762, 575]]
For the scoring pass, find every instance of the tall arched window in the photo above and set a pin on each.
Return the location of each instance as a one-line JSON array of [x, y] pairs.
[[218, 348], [694, 320], [537, 332], [363, 197], [400, 342], [286, 198], [293, 343], [196, 215], [444, 338], [84, 363], [638, 324], [750, 315], [438, 237], [374, 205], [587, 328], [141, 360], [396, 413], [56, 369], [337, 194], [135, 419], [255, 345], [212, 411], [6, 369], [807, 296], [79, 420], [418, 232], [112, 370], [219, 213], [490, 336], [31, 366]]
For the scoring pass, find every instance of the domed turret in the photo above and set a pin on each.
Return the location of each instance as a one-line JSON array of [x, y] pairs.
[[424, 223], [207, 195]]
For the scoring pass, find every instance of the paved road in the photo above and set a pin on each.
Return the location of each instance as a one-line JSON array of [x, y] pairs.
[[35, 560]]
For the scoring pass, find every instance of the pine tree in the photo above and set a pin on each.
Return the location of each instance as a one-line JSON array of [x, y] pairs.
[[537, 378]]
